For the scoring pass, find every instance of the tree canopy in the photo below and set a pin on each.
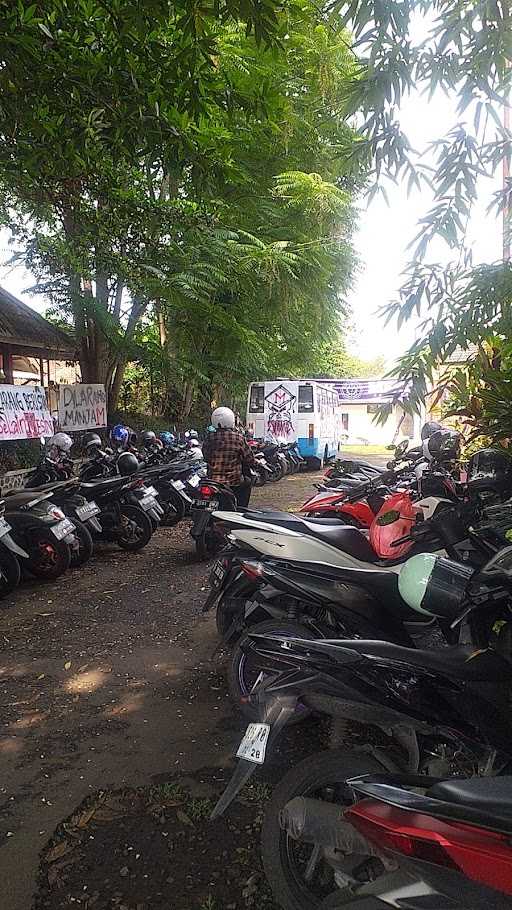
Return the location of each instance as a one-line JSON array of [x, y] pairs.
[[464, 49], [179, 177]]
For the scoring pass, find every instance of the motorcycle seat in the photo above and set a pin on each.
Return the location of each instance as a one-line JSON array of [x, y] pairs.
[[103, 484], [461, 662], [491, 795], [343, 537], [53, 485], [16, 498]]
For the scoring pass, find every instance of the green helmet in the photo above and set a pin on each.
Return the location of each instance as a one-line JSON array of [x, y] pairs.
[[413, 580]]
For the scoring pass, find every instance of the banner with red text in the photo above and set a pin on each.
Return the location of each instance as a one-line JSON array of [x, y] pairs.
[[24, 412]]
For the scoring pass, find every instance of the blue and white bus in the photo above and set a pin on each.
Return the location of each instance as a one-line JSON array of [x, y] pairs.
[[301, 410]]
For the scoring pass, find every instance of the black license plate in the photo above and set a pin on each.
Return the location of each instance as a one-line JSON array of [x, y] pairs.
[[218, 574]]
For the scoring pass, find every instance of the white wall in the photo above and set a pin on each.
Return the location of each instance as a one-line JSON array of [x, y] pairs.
[[361, 428]]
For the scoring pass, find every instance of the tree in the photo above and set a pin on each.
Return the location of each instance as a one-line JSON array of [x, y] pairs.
[[464, 49], [100, 105], [139, 172]]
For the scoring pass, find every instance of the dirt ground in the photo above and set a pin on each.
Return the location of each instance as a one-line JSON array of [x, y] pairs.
[[107, 684]]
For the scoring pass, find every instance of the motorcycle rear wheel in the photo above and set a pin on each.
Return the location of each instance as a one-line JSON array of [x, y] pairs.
[[137, 529], [209, 544], [48, 558], [174, 509], [283, 858], [86, 546], [10, 571], [243, 673]]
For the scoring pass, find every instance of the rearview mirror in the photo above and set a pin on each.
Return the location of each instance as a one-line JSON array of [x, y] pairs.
[[401, 448], [500, 564]]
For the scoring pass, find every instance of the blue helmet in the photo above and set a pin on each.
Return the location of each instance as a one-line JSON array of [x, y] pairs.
[[167, 438], [119, 434]]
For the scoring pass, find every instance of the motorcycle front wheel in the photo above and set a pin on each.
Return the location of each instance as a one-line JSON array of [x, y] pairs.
[[48, 558], [136, 528], [10, 572], [298, 874]]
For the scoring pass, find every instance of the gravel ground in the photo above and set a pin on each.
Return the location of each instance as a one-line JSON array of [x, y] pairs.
[[107, 682]]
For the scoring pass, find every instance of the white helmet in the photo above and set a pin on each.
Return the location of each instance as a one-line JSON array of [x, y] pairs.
[[223, 419], [62, 441]]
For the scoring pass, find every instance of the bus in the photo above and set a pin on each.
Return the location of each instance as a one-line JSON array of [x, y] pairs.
[[297, 410]]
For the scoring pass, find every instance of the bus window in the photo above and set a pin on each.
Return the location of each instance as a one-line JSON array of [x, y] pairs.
[[306, 399], [257, 400]]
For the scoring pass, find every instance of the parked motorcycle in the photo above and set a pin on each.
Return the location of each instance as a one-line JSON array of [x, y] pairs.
[[122, 521], [443, 712], [443, 843], [10, 554], [210, 497], [41, 529]]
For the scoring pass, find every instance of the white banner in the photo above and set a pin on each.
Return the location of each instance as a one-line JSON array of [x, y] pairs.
[[82, 406], [24, 412]]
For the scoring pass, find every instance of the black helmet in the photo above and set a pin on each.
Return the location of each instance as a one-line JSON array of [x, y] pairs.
[[490, 470], [429, 428], [132, 437], [127, 464], [91, 439], [148, 438], [444, 445]]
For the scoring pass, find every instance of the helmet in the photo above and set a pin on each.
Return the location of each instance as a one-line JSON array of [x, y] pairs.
[[91, 439], [158, 443], [148, 438], [443, 445], [490, 470], [132, 436], [192, 434], [61, 441], [127, 464], [432, 426], [119, 434], [167, 438], [434, 585], [223, 419]]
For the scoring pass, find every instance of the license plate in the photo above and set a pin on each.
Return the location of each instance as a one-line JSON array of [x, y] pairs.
[[178, 485], [62, 528], [150, 491], [254, 743], [4, 527], [87, 511], [148, 502], [218, 575], [194, 480]]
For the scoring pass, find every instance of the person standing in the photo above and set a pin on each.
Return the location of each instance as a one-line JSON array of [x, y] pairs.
[[229, 456]]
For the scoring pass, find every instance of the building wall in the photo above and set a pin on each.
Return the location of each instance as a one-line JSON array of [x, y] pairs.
[[361, 429]]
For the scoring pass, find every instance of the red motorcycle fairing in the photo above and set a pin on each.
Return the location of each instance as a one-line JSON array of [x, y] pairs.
[[394, 520], [324, 504]]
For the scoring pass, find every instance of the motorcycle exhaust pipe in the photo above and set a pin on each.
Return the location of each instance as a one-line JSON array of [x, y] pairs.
[[313, 821]]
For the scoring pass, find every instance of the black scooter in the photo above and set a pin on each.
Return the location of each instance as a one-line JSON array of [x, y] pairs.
[[41, 529], [442, 712], [10, 554], [84, 515], [210, 497]]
